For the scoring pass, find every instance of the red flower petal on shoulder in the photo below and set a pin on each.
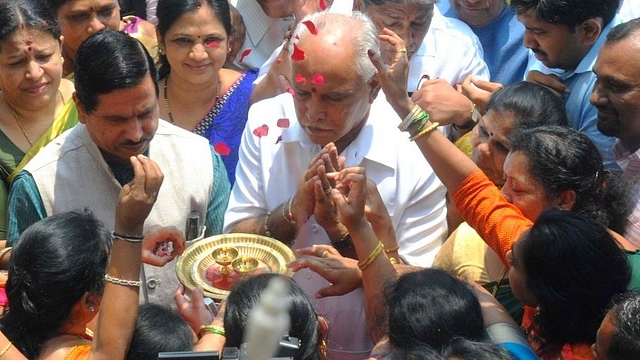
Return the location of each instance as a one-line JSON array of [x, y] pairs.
[[283, 123], [244, 55], [222, 148], [261, 131], [323, 5], [298, 54], [311, 26]]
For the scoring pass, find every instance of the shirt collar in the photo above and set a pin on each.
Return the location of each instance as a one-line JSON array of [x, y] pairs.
[[255, 20]]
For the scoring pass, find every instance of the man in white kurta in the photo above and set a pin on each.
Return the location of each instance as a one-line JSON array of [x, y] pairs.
[[334, 102]]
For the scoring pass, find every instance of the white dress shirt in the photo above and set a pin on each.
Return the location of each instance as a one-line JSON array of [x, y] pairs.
[[268, 174]]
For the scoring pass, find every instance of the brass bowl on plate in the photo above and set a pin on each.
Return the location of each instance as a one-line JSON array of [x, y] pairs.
[[192, 266]]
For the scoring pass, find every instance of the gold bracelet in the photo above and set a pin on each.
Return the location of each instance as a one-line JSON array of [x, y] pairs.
[[4, 251], [267, 232], [6, 348], [392, 249], [211, 329], [429, 129], [372, 257]]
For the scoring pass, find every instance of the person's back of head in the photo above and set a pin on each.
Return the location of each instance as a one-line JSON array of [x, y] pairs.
[[573, 267], [55, 263], [564, 159], [624, 342], [431, 307], [245, 294], [570, 13], [159, 329], [531, 105], [110, 60], [624, 31], [465, 349]]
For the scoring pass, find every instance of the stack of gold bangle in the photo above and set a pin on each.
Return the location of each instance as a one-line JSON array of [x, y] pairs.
[[372, 257]]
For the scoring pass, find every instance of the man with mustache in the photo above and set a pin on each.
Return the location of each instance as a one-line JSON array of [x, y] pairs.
[[564, 37], [616, 96], [86, 167]]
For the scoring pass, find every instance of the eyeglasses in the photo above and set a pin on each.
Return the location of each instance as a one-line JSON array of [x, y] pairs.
[[421, 81]]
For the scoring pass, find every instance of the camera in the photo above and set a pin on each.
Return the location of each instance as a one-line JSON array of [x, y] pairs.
[[287, 348]]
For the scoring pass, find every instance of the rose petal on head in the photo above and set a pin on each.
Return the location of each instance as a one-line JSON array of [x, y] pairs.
[[261, 131], [323, 5], [283, 123], [311, 26], [222, 148], [317, 79], [245, 53], [301, 79], [298, 54]]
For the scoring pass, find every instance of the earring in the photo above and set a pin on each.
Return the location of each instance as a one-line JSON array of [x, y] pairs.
[[90, 308], [323, 348]]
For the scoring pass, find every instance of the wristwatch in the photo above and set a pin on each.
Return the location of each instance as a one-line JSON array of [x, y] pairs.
[[473, 120], [345, 243]]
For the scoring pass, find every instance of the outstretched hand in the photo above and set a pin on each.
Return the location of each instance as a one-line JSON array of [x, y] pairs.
[[350, 195], [138, 197], [192, 308], [162, 245]]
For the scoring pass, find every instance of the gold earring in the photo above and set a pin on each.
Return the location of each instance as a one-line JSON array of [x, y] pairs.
[[323, 348]]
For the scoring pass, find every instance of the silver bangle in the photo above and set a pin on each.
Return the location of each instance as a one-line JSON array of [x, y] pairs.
[[404, 125], [136, 239], [114, 280]]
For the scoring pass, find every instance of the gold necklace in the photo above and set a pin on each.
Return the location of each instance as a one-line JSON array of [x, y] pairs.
[[167, 105], [15, 116]]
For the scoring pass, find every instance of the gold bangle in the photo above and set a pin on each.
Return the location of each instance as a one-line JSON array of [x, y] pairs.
[[267, 232], [392, 249], [6, 348], [372, 257], [429, 129], [211, 329], [3, 252]]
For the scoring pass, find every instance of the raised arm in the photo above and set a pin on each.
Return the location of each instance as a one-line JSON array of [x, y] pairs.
[[119, 307]]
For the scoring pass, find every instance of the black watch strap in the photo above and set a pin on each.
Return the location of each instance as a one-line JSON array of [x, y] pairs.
[[345, 243]]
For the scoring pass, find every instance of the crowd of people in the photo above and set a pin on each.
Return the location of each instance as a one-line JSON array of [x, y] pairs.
[[458, 179]]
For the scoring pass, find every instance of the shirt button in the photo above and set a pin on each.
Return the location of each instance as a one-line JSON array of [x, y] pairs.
[[152, 283], [314, 228]]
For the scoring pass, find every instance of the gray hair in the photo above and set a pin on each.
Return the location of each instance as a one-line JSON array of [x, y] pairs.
[[365, 36]]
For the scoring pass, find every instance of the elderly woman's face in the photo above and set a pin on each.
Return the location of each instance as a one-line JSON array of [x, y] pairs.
[[410, 21], [490, 140]]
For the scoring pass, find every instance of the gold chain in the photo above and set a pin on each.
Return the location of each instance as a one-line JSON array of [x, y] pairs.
[[15, 116], [167, 105]]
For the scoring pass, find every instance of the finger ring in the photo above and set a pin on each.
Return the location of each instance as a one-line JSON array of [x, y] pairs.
[[403, 50], [324, 254]]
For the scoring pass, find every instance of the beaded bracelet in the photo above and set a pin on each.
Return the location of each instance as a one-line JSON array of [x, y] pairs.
[[372, 257], [211, 329], [127, 237], [267, 232], [115, 280], [429, 129], [392, 249]]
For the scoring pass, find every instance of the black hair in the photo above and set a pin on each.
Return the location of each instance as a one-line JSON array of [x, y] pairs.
[[431, 307], [169, 11], [574, 267], [568, 12], [54, 263], [561, 159], [159, 329], [419, 352], [245, 294], [110, 60], [623, 31], [461, 348], [32, 14], [625, 315], [532, 105]]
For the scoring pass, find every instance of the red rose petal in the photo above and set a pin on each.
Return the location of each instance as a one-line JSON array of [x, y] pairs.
[[222, 148], [279, 139], [291, 91], [244, 55], [311, 26], [298, 54], [283, 123], [317, 79], [211, 44], [301, 79], [296, 37], [261, 131], [323, 5]]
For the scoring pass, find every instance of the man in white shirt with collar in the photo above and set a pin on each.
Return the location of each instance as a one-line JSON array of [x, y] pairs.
[[279, 180], [616, 96]]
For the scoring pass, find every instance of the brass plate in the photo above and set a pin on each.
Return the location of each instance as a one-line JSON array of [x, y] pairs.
[[194, 262]]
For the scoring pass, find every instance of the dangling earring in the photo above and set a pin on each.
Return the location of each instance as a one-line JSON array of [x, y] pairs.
[[61, 59], [323, 348]]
